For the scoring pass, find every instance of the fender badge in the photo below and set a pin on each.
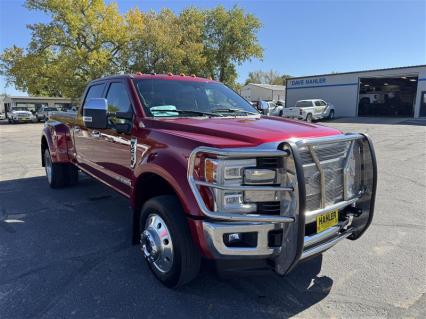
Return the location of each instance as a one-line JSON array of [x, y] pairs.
[[133, 155]]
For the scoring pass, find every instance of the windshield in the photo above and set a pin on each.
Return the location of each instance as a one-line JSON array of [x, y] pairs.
[[20, 108], [304, 104], [189, 98]]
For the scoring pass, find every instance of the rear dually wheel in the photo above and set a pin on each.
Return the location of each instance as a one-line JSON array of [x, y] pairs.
[[59, 174]]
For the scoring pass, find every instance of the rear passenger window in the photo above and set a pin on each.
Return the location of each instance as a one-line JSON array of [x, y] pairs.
[[95, 91], [118, 99]]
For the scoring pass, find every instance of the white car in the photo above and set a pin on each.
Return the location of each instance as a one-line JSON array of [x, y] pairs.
[[309, 110], [2, 116], [20, 114], [44, 113]]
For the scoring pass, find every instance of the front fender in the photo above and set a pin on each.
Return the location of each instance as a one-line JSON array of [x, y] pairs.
[[58, 139], [172, 167]]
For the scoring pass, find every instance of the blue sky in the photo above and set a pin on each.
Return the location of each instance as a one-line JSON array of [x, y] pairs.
[[298, 37]]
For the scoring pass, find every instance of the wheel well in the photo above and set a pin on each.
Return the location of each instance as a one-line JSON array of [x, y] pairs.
[[44, 146], [148, 185]]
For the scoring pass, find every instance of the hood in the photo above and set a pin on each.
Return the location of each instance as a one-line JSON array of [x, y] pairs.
[[22, 112], [239, 132]]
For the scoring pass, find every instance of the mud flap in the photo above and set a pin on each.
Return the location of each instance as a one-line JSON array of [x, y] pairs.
[[293, 233]]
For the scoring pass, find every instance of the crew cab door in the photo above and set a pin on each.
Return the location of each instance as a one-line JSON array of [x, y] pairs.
[[319, 107], [83, 140], [109, 156]]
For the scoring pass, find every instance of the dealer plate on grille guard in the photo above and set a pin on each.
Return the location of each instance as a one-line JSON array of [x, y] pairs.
[[327, 220]]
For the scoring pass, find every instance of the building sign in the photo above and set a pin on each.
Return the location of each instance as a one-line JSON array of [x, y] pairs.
[[310, 81]]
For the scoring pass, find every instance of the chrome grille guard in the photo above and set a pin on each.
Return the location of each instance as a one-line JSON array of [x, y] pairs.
[[293, 147]]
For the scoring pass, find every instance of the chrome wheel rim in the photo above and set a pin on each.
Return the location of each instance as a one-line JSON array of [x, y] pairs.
[[48, 166], [156, 243]]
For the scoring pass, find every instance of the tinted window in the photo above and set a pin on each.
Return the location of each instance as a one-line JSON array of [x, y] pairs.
[[189, 95], [318, 103], [118, 99], [304, 104], [322, 103], [95, 91]]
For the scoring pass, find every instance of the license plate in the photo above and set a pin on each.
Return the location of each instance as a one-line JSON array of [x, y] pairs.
[[327, 220]]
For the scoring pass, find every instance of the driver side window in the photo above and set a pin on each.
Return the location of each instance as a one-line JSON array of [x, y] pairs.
[[118, 99]]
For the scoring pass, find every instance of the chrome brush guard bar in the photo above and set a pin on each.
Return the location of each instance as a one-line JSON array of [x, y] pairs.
[[269, 150]]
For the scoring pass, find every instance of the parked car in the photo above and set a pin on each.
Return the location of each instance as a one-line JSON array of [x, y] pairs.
[[44, 112], [374, 97], [2, 116], [270, 108], [208, 176], [19, 114], [280, 103], [310, 110]]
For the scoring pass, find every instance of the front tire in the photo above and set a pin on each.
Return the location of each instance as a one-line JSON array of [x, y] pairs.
[[166, 241], [309, 118], [331, 115]]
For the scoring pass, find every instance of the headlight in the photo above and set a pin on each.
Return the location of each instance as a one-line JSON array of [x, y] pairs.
[[237, 173], [228, 173]]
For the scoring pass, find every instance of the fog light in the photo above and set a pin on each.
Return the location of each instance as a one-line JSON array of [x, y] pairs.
[[248, 240], [235, 237]]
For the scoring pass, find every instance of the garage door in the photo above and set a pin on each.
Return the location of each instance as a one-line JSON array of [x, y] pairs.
[[387, 96]]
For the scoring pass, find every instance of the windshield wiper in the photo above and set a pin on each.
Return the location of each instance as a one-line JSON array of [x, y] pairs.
[[187, 112], [232, 110]]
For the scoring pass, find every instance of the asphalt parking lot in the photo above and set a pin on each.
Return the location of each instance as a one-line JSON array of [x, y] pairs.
[[67, 253]]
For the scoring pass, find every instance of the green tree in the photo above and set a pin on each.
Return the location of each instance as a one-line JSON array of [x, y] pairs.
[[230, 39], [87, 39], [266, 77], [82, 42]]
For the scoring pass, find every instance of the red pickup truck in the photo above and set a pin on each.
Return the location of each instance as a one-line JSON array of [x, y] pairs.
[[209, 177]]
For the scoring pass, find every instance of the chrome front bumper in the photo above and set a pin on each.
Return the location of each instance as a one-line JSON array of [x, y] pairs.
[[214, 234], [295, 246]]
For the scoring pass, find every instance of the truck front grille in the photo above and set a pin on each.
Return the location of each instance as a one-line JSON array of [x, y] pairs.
[[325, 161], [269, 208], [269, 162]]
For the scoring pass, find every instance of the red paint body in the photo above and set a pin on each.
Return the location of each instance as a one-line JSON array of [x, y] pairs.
[[169, 143]]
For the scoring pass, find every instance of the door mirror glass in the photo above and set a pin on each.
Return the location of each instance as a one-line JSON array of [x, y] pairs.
[[95, 113]]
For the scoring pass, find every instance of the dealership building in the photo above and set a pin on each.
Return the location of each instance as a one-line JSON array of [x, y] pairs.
[[266, 92], [34, 103], [394, 92]]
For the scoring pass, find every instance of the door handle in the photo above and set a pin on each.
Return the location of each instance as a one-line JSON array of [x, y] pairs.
[[95, 134]]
